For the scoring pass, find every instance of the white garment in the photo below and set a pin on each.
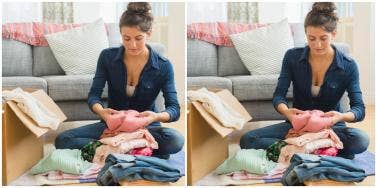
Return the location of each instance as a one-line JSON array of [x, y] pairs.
[[130, 90], [218, 108], [33, 108], [315, 90]]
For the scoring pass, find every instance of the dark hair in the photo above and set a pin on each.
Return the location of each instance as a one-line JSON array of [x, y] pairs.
[[137, 14], [322, 15]]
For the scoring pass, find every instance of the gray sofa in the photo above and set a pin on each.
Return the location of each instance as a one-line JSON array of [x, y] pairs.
[[215, 66], [35, 67]]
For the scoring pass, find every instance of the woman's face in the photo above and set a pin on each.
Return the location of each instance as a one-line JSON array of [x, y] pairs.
[[134, 40], [319, 40]]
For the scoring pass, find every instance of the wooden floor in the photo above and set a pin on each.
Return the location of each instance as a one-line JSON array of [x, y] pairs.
[[367, 125]]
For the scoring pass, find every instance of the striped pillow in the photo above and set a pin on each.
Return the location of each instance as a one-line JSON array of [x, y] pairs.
[[77, 50], [262, 50]]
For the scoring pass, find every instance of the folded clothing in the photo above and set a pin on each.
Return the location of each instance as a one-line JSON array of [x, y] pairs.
[[311, 121], [119, 167], [66, 160], [218, 108], [125, 121], [33, 108], [308, 143], [329, 151], [308, 167], [88, 151], [274, 150], [146, 151], [90, 173], [124, 143], [250, 160]]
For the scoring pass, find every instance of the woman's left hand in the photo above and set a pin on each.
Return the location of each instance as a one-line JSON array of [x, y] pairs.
[[150, 116], [336, 116]]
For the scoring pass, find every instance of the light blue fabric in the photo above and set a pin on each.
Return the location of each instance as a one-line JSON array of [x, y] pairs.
[[66, 160], [304, 167], [250, 160], [120, 167]]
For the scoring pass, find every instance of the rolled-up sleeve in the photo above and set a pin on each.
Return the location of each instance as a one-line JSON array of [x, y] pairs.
[[172, 106], [355, 94], [99, 82], [284, 80]]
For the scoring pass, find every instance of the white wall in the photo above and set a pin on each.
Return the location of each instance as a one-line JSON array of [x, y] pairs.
[[21, 12], [176, 45], [84, 12], [364, 48], [206, 12], [270, 12]]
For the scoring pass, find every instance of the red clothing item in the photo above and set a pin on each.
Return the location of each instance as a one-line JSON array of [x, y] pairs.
[[329, 151], [146, 151], [311, 121], [125, 121]]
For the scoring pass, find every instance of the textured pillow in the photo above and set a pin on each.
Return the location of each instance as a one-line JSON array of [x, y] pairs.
[[262, 50], [77, 50]]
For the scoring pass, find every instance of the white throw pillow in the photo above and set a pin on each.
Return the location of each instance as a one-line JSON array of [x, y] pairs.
[[77, 50], [262, 50]]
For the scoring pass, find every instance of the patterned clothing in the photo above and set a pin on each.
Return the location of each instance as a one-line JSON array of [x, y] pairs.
[[88, 151], [273, 151]]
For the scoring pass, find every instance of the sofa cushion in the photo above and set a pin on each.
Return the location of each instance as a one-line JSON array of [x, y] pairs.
[[77, 50], [201, 58], [24, 82], [45, 62], [209, 82], [229, 62], [77, 110], [17, 58], [70, 87], [255, 87], [262, 110]]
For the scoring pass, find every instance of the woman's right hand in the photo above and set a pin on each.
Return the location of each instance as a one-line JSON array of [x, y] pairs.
[[290, 112], [106, 112]]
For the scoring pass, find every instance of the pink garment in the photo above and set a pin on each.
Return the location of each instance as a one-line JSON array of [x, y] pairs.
[[90, 173], [311, 121], [277, 172], [147, 151], [308, 143], [123, 143], [329, 151], [125, 121]]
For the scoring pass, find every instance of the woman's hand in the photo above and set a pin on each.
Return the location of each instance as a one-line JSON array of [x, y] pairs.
[[106, 112], [336, 116], [150, 116], [290, 112]]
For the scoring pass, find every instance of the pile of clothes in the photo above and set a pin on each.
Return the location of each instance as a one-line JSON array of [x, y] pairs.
[[307, 153], [123, 152], [65, 166]]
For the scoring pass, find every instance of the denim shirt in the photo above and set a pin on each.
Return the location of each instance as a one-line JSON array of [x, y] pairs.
[[342, 75], [157, 75]]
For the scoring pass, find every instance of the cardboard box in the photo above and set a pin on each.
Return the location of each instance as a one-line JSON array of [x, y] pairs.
[[207, 142], [22, 146]]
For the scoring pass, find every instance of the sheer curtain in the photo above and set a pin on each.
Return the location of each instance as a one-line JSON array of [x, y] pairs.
[[57, 12], [243, 12]]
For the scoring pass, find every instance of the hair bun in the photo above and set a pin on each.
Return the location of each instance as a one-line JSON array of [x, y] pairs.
[[324, 7], [141, 8]]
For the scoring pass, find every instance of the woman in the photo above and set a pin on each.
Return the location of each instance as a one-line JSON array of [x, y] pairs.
[[135, 73], [320, 74]]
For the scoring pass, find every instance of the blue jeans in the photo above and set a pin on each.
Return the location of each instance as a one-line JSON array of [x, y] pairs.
[[305, 167], [169, 140], [120, 167], [354, 140]]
